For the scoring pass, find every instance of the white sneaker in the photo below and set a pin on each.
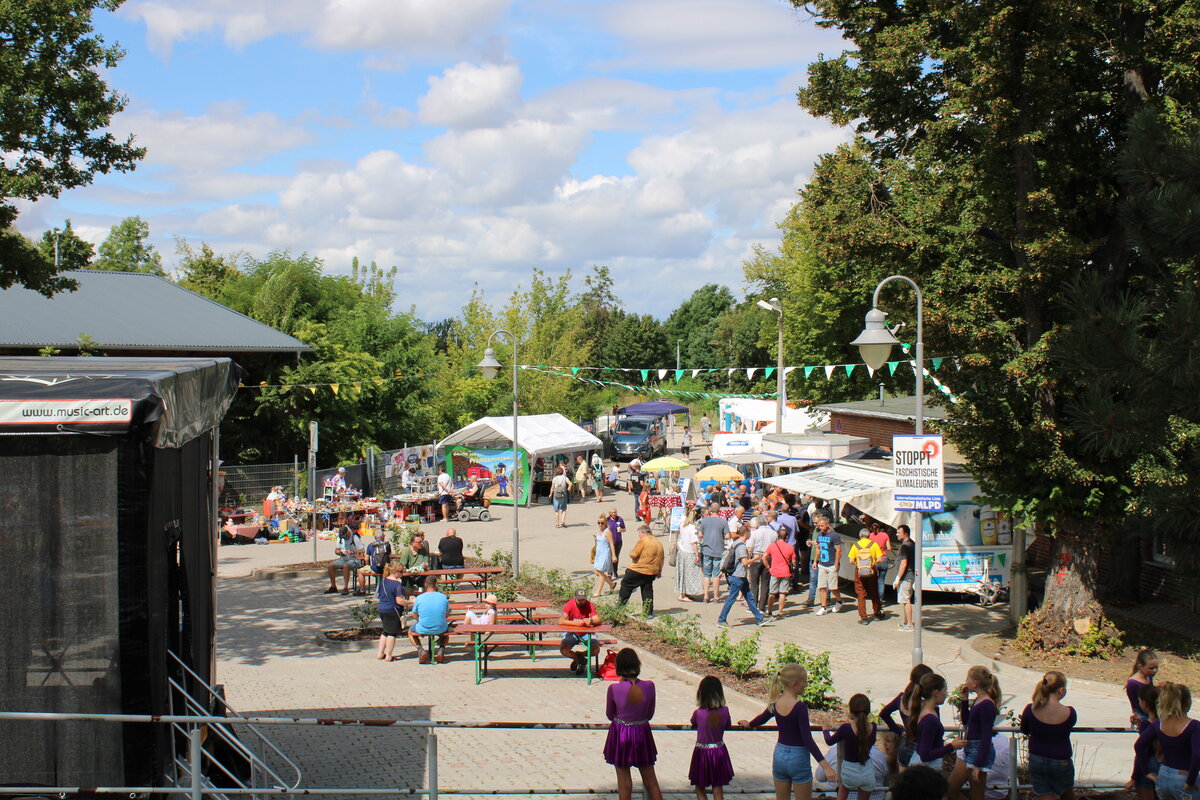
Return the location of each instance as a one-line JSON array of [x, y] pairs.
[[836, 608], [822, 610]]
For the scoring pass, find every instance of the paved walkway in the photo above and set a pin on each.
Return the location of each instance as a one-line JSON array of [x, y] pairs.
[[270, 662]]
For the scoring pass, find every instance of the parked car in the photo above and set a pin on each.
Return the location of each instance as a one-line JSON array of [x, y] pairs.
[[635, 436]]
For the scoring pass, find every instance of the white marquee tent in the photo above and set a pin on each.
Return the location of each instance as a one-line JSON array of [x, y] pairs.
[[537, 434]]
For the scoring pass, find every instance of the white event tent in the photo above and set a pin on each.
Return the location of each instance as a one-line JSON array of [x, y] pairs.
[[537, 435]]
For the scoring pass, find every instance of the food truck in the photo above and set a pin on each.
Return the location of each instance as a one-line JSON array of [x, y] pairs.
[[966, 548]]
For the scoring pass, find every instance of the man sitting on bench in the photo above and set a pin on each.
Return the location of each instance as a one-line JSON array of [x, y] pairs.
[[431, 609], [578, 612]]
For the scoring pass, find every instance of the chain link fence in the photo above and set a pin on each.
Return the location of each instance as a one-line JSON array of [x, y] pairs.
[[248, 485]]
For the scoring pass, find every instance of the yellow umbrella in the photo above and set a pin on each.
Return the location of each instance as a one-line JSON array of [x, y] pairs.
[[719, 472], [665, 463]]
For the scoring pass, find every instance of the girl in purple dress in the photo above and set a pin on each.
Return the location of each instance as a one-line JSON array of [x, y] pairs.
[[630, 743], [1145, 667], [710, 759]]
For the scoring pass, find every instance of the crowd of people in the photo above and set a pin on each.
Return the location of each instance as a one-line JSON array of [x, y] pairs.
[[905, 756]]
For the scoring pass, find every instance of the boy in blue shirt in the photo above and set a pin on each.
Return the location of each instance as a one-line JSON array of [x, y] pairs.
[[826, 559]]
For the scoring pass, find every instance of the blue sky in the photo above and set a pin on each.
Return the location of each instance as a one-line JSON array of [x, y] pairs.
[[464, 141]]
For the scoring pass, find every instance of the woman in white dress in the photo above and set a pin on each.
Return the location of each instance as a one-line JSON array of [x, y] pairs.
[[687, 560], [603, 560]]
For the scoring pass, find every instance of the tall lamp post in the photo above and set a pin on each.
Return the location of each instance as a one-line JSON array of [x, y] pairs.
[[490, 368], [875, 346], [774, 305]]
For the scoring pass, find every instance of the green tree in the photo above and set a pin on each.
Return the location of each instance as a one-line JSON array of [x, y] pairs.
[[54, 129], [990, 170], [691, 326], [126, 249], [73, 252], [203, 271]]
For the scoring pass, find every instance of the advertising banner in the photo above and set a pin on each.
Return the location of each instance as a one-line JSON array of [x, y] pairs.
[[920, 477], [957, 571], [493, 469]]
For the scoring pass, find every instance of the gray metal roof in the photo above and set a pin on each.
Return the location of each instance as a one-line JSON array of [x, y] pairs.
[[888, 408], [132, 311]]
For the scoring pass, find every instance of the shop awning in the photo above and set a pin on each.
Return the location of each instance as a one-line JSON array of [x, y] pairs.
[[860, 484], [537, 434]]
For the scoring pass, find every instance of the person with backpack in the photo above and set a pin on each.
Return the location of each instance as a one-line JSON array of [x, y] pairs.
[[379, 555], [733, 566], [560, 496], [864, 555]]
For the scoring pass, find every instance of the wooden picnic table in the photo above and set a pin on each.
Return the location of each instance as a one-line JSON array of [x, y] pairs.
[[525, 607], [481, 636], [482, 574]]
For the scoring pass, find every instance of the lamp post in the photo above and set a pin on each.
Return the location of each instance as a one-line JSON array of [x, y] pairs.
[[774, 305], [56, 235], [490, 368], [875, 346]]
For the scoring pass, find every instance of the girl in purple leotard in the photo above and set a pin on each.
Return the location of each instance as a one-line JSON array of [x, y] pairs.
[[710, 758], [925, 726], [1178, 737], [899, 704], [630, 743], [979, 719], [1145, 667]]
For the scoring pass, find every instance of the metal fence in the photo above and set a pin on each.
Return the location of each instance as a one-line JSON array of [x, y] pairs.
[[194, 783], [248, 485]]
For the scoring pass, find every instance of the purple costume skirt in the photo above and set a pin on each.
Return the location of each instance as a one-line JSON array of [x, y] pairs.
[[630, 745], [710, 766]]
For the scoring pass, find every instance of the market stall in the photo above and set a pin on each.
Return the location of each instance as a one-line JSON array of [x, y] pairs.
[[962, 546], [484, 450], [746, 415]]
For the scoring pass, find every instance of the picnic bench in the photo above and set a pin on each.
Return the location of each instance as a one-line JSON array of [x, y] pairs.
[[488, 638]]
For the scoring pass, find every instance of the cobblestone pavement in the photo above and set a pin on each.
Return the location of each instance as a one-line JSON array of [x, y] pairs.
[[270, 662]]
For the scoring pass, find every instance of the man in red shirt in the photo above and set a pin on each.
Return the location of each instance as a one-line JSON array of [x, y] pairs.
[[780, 560], [580, 613]]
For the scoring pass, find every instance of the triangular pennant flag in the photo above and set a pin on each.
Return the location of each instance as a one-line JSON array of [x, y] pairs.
[[750, 373], [645, 373], [768, 372], [312, 389], [729, 373], [808, 371], [928, 563], [829, 370], [574, 370], [787, 371], [892, 367], [849, 368], [956, 363], [870, 372], [334, 386], [696, 372], [937, 363], [678, 375], [1002, 557], [662, 373]]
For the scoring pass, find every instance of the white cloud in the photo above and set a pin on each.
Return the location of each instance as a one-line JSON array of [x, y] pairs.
[[422, 26], [223, 136], [470, 96], [714, 35]]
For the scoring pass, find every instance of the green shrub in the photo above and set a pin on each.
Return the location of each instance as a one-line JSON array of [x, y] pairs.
[[679, 630], [738, 657], [364, 613], [612, 613], [401, 536], [819, 692]]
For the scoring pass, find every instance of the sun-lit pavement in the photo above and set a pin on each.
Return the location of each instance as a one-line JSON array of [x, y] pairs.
[[269, 661]]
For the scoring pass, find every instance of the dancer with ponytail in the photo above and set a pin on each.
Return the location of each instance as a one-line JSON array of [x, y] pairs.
[[710, 758], [899, 704], [791, 768], [1145, 667], [925, 727], [856, 737], [979, 717], [1048, 724], [630, 743], [1178, 738]]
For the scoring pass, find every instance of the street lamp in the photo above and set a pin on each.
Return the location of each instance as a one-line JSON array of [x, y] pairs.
[[490, 368], [774, 305], [875, 345]]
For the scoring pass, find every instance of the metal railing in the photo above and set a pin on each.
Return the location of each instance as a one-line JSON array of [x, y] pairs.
[[197, 788], [249, 484]]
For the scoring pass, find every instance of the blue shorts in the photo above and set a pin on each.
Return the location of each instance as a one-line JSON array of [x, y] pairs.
[[711, 565], [935, 764], [1051, 775], [1171, 783], [559, 503], [575, 639], [791, 764], [973, 754]]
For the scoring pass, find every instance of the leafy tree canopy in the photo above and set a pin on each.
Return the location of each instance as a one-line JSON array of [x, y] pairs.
[[126, 249]]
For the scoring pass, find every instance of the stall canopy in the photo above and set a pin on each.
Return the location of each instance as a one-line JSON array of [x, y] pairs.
[[537, 434], [866, 485], [654, 408], [740, 448]]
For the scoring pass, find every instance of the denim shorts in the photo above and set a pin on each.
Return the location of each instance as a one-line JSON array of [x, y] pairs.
[[935, 765], [1051, 775], [346, 561], [791, 764], [973, 754], [857, 776], [1171, 782], [1152, 767], [575, 639], [711, 565], [559, 503]]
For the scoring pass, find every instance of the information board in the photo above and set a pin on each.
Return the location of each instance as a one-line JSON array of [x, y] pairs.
[[918, 471]]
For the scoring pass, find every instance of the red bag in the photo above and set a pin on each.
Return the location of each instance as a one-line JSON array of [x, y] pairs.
[[608, 669]]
